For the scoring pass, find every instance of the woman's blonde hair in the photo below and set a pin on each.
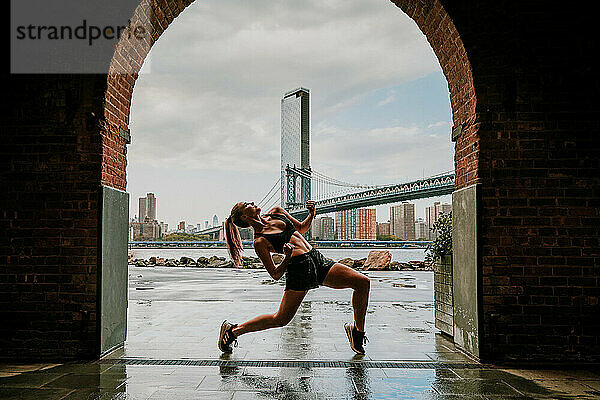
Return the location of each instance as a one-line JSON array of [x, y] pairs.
[[232, 235]]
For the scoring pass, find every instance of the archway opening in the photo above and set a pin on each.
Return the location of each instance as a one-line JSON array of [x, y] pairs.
[[463, 175]]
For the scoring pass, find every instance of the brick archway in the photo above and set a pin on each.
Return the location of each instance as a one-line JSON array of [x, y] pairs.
[[430, 16], [445, 40]]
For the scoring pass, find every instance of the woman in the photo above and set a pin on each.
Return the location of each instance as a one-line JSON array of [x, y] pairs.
[[304, 266]]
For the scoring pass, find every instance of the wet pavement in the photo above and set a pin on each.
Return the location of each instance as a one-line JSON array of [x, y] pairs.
[[171, 353], [191, 305]]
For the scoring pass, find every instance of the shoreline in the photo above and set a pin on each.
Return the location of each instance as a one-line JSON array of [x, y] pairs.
[[255, 263], [392, 247]]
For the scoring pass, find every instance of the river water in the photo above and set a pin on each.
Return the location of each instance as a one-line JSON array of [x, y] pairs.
[[400, 255]]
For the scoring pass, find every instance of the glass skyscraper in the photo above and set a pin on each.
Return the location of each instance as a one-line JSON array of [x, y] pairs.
[[295, 145]]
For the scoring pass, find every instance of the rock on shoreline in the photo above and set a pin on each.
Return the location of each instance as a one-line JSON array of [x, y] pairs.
[[377, 260]]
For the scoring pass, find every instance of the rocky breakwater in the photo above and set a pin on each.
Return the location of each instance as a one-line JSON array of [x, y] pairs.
[[381, 260], [378, 260], [202, 262]]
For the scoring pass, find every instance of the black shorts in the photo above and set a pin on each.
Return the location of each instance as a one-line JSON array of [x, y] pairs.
[[307, 271]]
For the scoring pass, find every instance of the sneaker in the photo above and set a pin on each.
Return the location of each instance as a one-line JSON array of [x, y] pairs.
[[356, 338], [226, 337]]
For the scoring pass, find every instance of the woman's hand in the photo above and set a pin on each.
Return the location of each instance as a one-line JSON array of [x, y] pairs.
[[310, 205], [288, 248]]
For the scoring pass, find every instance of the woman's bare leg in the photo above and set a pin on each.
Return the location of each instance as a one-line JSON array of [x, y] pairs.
[[287, 309], [341, 276]]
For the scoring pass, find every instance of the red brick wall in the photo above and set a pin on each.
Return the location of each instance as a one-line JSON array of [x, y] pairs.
[[528, 98], [539, 172], [49, 175]]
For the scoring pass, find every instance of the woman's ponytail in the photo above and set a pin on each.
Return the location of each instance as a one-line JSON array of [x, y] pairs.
[[234, 241], [232, 235]]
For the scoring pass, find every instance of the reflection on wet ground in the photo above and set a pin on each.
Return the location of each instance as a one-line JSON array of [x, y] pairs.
[[119, 381], [171, 351]]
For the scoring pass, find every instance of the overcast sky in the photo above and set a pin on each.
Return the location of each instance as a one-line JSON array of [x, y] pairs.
[[205, 115]]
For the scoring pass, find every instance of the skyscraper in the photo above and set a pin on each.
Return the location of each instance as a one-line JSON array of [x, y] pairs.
[[147, 227], [295, 145], [147, 207], [433, 213], [142, 210], [215, 220], [356, 224], [164, 228], [151, 205], [146, 230], [421, 229], [323, 228], [402, 221]]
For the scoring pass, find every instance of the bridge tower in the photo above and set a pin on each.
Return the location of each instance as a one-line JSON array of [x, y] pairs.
[[295, 147]]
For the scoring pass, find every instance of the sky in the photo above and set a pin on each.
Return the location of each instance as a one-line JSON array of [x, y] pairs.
[[205, 114]]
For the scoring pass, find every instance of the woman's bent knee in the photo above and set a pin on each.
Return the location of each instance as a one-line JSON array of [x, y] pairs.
[[280, 321], [363, 283]]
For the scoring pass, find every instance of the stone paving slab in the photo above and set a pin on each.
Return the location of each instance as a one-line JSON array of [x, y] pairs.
[[120, 381]]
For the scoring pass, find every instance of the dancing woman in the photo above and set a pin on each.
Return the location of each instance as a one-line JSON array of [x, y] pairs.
[[304, 266]]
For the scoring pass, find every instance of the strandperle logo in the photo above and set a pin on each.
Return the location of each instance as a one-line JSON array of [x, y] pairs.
[[84, 31]]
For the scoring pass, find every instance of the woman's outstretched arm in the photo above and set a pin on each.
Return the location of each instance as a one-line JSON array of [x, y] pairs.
[[303, 226]]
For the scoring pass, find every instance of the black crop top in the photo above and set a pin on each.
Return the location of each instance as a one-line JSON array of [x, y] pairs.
[[277, 240]]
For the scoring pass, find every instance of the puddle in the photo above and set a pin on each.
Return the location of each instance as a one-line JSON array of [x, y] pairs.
[[407, 307], [417, 330], [404, 285]]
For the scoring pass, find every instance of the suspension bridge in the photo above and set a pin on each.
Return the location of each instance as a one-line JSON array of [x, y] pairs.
[[331, 194]]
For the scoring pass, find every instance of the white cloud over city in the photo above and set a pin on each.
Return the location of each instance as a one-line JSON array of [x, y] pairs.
[[205, 114]]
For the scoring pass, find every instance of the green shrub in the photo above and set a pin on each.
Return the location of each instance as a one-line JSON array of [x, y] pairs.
[[442, 245]]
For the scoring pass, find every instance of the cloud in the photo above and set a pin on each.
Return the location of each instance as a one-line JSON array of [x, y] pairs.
[[208, 99], [387, 100], [383, 155], [218, 73], [438, 124]]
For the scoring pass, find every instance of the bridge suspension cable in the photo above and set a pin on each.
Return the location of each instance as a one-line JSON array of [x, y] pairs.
[[324, 186], [442, 173], [273, 203], [338, 182], [260, 203], [324, 178], [271, 199]]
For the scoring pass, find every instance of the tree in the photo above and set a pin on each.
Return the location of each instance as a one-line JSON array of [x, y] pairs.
[[388, 237], [184, 237]]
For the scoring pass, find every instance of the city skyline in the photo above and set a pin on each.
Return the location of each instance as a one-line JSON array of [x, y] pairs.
[[428, 202], [431, 212]]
